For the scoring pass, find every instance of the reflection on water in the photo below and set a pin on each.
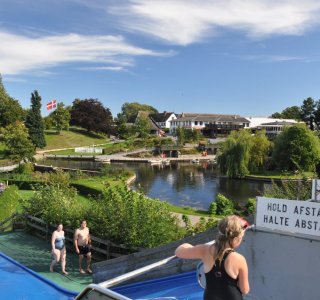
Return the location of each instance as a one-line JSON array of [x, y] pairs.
[[73, 164], [187, 184], [182, 184]]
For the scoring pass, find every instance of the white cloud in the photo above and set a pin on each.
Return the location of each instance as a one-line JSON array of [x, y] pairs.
[[20, 54], [184, 22], [275, 58]]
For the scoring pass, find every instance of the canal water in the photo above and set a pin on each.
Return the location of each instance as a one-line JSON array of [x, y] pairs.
[[182, 184]]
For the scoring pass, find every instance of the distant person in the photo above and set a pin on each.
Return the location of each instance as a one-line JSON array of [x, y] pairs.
[[58, 249], [82, 245], [226, 271]]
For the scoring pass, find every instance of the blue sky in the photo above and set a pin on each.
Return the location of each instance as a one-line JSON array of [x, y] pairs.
[[247, 57]]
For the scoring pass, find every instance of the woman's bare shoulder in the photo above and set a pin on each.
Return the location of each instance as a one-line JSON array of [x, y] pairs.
[[235, 256]]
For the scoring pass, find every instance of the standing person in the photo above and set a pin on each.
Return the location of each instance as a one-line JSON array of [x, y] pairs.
[[82, 244], [59, 251], [226, 271]]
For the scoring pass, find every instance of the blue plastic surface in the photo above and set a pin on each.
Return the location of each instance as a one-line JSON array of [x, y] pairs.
[[19, 282], [182, 286]]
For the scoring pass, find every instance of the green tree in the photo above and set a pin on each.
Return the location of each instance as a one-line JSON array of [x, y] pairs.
[[17, 141], [287, 189], [54, 201], [296, 148], [61, 117], [142, 127], [307, 112], [180, 133], [130, 110], [10, 109], [317, 114], [91, 115], [292, 112], [259, 151], [277, 115], [235, 156], [34, 121]]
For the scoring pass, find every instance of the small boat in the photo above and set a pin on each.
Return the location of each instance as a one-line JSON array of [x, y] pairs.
[[196, 161]]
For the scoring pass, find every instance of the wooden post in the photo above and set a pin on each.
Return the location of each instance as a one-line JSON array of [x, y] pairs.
[[108, 249]]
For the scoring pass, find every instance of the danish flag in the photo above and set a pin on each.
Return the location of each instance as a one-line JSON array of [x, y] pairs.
[[52, 104]]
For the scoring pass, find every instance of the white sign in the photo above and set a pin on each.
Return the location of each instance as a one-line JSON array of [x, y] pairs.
[[288, 215]]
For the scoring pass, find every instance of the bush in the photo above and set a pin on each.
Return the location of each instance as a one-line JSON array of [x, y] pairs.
[[251, 206], [224, 206], [130, 218], [9, 201]]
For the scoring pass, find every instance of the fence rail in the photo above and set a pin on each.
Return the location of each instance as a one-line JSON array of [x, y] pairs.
[[100, 247]]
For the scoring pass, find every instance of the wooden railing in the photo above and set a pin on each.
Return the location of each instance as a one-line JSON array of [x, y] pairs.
[[101, 249]]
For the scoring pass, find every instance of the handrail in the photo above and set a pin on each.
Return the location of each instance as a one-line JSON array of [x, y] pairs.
[[135, 273]]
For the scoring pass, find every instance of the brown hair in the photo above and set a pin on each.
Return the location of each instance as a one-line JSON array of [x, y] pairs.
[[229, 228]]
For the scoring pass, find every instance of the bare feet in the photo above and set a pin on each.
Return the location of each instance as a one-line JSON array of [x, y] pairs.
[[51, 269], [65, 273], [81, 271], [89, 271]]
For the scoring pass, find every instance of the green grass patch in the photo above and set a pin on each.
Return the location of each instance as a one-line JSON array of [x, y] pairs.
[[188, 211], [281, 175], [74, 137]]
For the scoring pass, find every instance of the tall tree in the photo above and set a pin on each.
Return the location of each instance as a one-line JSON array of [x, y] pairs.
[[142, 126], [259, 151], [129, 110], [16, 138], [10, 109], [34, 121], [292, 112], [307, 111], [317, 115], [234, 160], [91, 115], [296, 148], [61, 117]]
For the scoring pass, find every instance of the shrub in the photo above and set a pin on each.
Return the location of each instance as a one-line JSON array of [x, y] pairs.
[[251, 206], [224, 205], [9, 201]]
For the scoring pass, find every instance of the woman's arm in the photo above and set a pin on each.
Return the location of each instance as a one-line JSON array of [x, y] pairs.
[[243, 280], [188, 251], [53, 239]]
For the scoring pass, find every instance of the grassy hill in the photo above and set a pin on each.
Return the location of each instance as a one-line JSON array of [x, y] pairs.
[[74, 137]]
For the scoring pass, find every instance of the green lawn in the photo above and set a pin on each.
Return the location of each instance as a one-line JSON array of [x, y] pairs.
[[74, 137]]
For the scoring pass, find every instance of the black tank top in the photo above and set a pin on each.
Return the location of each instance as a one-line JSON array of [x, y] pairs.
[[219, 285]]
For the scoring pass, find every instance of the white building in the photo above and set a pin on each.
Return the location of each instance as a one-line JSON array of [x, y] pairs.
[[255, 122]]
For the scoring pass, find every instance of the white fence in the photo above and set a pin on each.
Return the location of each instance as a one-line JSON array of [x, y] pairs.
[[88, 150]]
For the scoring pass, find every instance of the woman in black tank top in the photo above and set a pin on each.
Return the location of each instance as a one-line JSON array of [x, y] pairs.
[[226, 271]]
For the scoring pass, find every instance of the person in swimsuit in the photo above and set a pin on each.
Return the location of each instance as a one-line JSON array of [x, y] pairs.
[[58, 252], [226, 271], [82, 245]]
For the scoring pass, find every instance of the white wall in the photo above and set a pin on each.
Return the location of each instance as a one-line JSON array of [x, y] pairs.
[[282, 267]]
